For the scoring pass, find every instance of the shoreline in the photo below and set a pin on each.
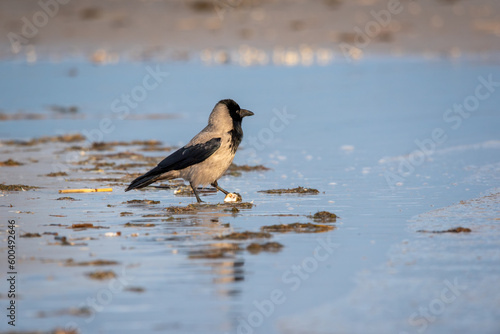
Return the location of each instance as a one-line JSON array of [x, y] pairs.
[[290, 57], [175, 30]]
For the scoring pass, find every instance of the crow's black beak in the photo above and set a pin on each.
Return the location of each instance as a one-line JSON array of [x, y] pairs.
[[244, 112]]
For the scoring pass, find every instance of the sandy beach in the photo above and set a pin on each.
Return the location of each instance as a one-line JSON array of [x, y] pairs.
[[225, 30], [370, 172]]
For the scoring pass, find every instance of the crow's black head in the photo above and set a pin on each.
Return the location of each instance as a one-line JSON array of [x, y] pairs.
[[235, 111]]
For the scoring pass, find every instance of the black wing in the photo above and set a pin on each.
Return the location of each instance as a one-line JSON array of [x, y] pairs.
[[180, 159]]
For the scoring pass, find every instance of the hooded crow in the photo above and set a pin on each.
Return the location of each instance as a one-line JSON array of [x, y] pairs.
[[207, 156]]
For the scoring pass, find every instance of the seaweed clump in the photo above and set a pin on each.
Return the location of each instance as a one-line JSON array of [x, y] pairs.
[[451, 230], [298, 228], [10, 163], [16, 187], [244, 235], [102, 274], [30, 235], [66, 198], [56, 174], [192, 208], [139, 225], [71, 263], [256, 248], [324, 216], [67, 138], [141, 201], [298, 190]]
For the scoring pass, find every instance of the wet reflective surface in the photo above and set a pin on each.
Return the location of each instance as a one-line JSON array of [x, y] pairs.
[[380, 140]]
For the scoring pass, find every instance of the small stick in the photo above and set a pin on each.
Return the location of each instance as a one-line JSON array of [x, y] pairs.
[[98, 190]]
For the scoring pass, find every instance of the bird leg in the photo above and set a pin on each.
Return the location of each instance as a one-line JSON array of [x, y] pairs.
[[219, 188], [195, 192]]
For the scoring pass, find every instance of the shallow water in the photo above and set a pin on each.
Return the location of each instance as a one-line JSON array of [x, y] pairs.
[[351, 132]]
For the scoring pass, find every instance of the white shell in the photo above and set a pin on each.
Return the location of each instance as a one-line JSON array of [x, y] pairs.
[[233, 197]]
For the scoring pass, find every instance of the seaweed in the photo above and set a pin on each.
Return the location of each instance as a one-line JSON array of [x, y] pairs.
[[67, 138], [55, 174], [324, 216], [102, 274], [66, 198], [141, 201], [125, 213], [30, 235], [16, 187], [139, 225], [256, 248], [72, 263], [85, 226], [298, 190], [451, 230], [10, 163], [298, 228], [190, 208], [244, 235]]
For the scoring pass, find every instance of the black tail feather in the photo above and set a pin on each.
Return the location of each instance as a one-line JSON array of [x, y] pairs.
[[145, 180]]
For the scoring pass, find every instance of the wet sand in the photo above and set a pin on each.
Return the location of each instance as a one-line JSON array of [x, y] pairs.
[[366, 190], [150, 260], [248, 31]]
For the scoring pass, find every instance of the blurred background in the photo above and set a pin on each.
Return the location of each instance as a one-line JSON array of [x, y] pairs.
[[389, 108], [247, 32]]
